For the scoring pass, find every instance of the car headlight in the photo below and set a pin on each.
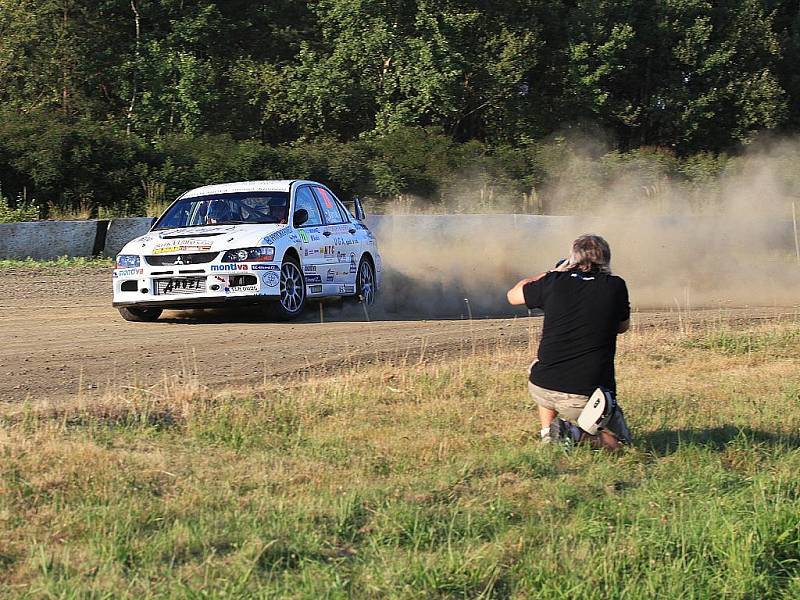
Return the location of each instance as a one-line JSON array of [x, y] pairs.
[[260, 254], [125, 261]]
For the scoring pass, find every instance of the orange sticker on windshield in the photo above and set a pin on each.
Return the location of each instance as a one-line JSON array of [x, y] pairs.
[[325, 197]]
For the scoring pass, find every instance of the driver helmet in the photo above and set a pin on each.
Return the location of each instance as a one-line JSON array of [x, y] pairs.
[[279, 208], [218, 212]]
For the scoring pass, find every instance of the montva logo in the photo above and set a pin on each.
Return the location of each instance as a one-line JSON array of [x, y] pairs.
[[229, 267]]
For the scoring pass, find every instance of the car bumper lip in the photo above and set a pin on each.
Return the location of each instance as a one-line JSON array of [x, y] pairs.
[[202, 302]]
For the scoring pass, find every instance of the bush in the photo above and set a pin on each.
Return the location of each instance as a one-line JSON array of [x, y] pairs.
[[71, 163], [23, 211]]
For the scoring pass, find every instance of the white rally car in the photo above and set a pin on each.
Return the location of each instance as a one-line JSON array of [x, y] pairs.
[[254, 242]]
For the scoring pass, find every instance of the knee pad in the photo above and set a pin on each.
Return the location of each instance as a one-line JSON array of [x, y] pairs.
[[603, 413]]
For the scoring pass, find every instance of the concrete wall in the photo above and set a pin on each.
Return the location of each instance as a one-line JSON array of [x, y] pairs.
[[122, 231], [49, 239]]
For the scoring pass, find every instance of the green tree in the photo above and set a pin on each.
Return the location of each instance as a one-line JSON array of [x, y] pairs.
[[689, 74]]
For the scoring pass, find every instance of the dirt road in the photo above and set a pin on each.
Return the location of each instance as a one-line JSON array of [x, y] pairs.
[[62, 336]]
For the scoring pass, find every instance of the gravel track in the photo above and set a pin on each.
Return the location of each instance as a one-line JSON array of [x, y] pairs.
[[62, 338]]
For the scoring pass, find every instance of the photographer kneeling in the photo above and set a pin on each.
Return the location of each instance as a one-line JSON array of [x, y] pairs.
[[585, 307]]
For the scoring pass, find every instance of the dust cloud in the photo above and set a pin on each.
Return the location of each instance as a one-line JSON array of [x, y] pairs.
[[725, 241]]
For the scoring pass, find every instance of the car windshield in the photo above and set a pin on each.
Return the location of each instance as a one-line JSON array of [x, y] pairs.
[[227, 209]]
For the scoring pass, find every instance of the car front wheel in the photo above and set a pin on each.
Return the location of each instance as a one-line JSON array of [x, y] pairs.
[[292, 298], [140, 315]]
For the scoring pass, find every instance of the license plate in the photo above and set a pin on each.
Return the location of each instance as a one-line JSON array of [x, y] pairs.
[[181, 285]]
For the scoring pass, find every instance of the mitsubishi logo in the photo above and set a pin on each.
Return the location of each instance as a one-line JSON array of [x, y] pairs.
[[178, 261]]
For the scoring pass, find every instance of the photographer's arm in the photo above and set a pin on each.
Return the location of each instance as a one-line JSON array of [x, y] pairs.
[[515, 295]]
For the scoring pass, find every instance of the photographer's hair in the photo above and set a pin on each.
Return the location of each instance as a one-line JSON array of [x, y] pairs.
[[591, 253]]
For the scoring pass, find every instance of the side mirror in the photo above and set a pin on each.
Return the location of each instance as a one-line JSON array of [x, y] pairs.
[[358, 209], [300, 217], [152, 222]]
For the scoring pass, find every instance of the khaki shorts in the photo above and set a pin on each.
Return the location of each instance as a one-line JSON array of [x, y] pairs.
[[568, 406]]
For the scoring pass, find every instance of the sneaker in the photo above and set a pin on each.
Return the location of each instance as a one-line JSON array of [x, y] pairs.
[[564, 433], [544, 436]]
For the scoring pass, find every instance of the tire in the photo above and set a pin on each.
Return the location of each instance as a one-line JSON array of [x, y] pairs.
[[140, 315], [366, 290], [292, 287]]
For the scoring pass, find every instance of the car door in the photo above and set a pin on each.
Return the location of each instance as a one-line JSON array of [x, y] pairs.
[[312, 241], [340, 256]]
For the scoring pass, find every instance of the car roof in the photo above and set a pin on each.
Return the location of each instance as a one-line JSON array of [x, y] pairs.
[[267, 185]]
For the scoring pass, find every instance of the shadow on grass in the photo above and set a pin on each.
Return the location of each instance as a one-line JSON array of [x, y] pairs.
[[666, 442]]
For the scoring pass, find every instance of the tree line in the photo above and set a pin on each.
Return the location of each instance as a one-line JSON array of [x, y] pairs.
[[115, 103]]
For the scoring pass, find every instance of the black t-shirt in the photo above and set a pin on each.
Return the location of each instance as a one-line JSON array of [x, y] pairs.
[[582, 313]]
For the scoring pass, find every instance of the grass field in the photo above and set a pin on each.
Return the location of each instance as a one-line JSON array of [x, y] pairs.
[[62, 262], [421, 480]]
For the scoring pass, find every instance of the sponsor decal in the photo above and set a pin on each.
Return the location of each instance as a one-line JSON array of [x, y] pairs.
[[270, 278], [166, 249], [222, 279], [189, 244], [353, 262], [315, 289], [206, 230], [229, 267], [127, 272], [328, 250], [330, 276], [310, 268], [180, 248], [260, 267], [245, 288], [281, 233], [303, 236], [313, 279], [345, 241], [325, 197], [347, 289]]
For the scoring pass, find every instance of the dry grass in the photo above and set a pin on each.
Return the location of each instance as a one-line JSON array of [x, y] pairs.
[[421, 480]]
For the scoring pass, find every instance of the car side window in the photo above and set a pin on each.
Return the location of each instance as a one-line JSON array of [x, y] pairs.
[[327, 203], [304, 198], [345, 213]]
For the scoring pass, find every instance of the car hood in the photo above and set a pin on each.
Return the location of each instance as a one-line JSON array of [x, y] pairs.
[[208, 238]]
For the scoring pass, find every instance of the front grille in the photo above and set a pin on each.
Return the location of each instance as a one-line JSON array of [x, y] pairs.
[[180, 285], [194, 258]]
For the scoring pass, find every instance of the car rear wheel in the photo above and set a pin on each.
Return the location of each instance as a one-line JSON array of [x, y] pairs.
[[292, 298], [140, 314], [365, 282]]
